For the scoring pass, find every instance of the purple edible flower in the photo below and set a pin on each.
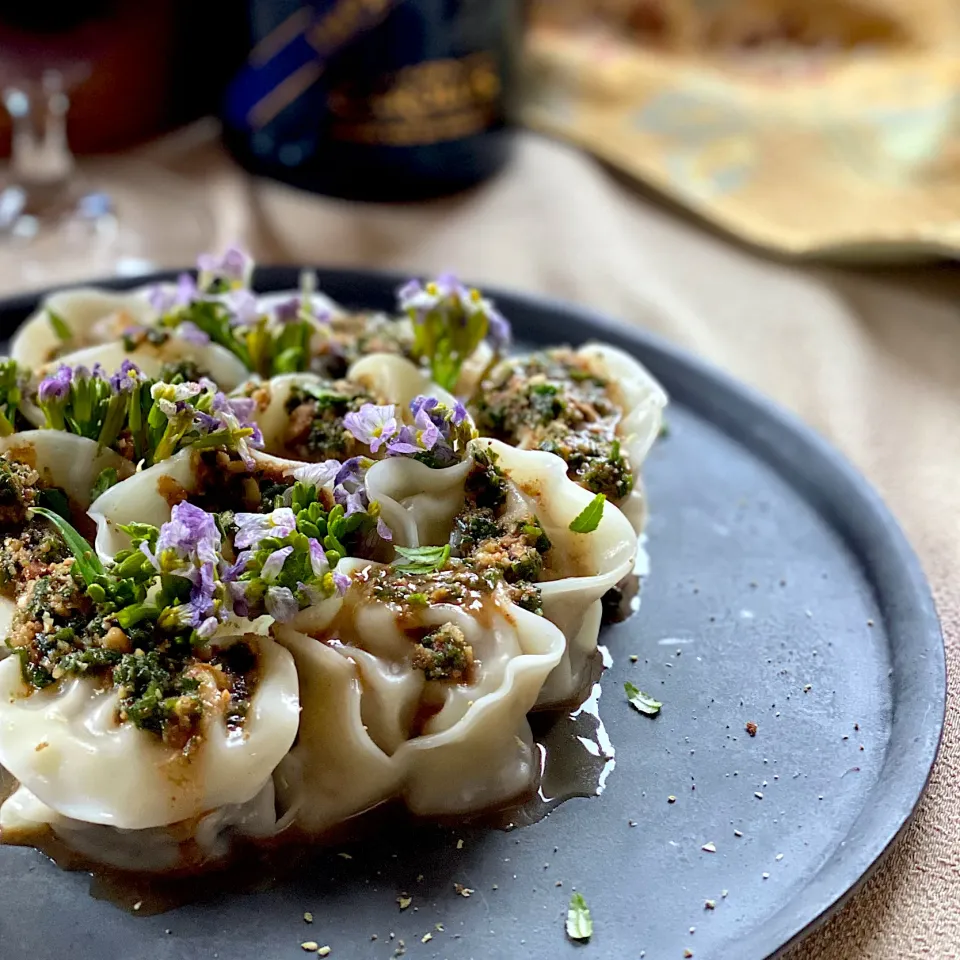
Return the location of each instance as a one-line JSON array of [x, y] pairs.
[[190, 332], [243, 305], [288, 311], [164, 300], [126, 378], [281, 604], [318, 558], [383, 531], [237, 591], [234, 266], [254, 527], [372, 424], [341, 583], [459, 413], [318, 474], [273, 565], [355, 501], [498, 330], [201, 594], [57, 386], [190, 532]]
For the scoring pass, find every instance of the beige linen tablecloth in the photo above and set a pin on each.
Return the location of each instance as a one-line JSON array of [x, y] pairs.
[[872, 360]]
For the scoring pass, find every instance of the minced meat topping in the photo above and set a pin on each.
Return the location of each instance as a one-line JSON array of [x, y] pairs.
[[28, 545], [358, 335], [164, 678], [444, 654], [315, 428], [555, 401]]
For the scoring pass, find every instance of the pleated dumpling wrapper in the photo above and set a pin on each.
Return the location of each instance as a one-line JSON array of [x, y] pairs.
[[427, 706], [68, 746], [185, 846], [142, 694], [576, 570], [77, 318]]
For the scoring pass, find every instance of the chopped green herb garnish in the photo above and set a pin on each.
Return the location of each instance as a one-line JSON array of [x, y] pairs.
[[420, 560], [579, 922], [641, 701], [589, 518]]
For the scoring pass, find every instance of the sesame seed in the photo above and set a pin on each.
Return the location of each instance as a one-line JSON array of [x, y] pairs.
[[779, 856], [758, 795], [426, 938], [709, 904], [323, 952], [308, 917], [671, 799], [310, 946], [766, 876], [688, 954], [404, 901], [709, 847], [459, 844]]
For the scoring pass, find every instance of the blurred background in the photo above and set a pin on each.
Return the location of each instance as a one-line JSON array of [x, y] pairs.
[[823, 128]]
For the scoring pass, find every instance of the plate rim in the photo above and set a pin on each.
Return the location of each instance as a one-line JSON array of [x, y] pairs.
[[871, 531]]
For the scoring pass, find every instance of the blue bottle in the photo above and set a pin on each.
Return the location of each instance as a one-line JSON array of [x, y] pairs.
[[375, 99]]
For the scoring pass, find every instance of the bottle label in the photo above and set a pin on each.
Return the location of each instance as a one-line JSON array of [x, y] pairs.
[[420, 104], [294, 43]]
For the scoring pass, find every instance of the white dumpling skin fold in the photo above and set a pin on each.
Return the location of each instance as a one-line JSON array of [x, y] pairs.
[[93, 316], [66, 746], [360, 693]]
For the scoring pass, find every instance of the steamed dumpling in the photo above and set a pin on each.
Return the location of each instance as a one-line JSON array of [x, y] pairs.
[[577, 570], [426, 704], [301, 414], [597, 408], [66, 745], [149, 496], [92, 316]]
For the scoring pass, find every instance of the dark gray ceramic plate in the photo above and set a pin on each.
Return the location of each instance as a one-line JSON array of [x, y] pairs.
[[782, 592]]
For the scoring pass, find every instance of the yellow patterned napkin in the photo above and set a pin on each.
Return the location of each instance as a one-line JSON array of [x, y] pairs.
[[811, 127]]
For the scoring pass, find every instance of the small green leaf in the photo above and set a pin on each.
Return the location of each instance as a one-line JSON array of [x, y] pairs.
[[422, 559], [641, 701], [588, 519], [60, 326], [88, 563], [104, 482], [579, 922]]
